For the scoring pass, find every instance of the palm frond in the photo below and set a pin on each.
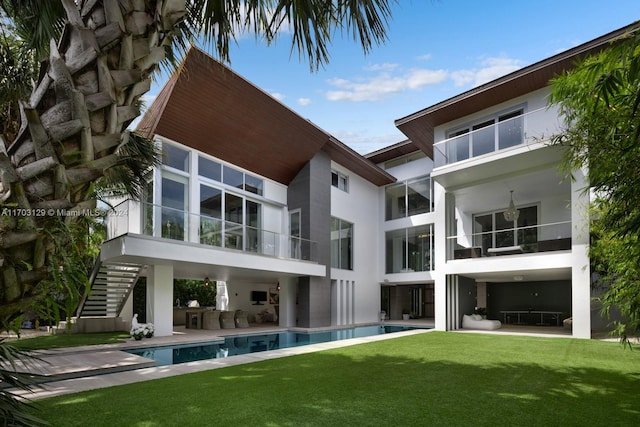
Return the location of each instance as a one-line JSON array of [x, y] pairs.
[[311, 24], [137, 155], [14, 410], [36, 22]]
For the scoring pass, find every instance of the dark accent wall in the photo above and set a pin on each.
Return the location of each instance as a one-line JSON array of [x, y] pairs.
[[467, 295], [310, 191], [552, 296]]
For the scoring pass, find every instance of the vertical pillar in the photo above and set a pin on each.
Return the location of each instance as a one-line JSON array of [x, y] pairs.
[[222, 296], [287, 306], [440, 254], [160, 299], [580, 271]]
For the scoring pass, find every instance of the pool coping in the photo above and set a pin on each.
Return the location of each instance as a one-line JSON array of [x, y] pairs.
[[84, 382]]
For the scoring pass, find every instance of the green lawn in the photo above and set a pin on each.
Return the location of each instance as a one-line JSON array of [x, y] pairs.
[[432, 379], [68, 340]]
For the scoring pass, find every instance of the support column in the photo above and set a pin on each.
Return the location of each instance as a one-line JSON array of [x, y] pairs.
[[222, 296], [160, 299], [287, 306], [580, 268], [443, 216]]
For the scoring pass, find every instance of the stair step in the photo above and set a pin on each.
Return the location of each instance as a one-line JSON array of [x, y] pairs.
[[112, 283]]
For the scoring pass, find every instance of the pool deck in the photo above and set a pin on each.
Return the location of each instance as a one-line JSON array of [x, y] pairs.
[[72, 370]]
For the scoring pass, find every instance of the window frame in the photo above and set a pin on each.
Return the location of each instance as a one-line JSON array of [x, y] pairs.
[[518, 230], [473, 127], [406, 202], [342, 180], [337, 256]]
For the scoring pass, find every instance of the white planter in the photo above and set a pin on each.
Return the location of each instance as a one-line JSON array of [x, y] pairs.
[[405, 317]]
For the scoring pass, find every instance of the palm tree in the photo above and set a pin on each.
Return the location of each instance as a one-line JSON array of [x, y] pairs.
[[73, 126]]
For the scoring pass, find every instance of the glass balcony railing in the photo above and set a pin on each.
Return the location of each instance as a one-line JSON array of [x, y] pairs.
[[511, 241], [507, 131], [169, 223]]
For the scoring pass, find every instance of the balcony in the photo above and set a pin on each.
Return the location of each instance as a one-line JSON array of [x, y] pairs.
[[511, 241], [506, 131], [167, 223]]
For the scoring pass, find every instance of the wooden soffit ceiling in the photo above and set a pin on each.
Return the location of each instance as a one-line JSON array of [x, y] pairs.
[[208, 107]]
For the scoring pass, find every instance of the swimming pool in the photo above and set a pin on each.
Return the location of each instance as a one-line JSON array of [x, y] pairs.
[[245, 344]]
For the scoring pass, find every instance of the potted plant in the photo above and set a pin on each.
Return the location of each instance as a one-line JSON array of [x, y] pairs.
[[142, 330], [406, 313], [138, 333]]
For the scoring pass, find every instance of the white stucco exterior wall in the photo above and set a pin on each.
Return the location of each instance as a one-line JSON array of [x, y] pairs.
[[160, 299], [357, 291], [580, 269]]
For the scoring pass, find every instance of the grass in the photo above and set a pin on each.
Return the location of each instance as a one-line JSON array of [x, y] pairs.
[[68, 340], [432, 379]]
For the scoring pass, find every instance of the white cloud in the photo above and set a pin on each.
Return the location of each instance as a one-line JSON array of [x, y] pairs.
[[391, 79], [277, 95], [363, 142], [385, 66], [425, 57], [304, 101], [382, 85], [490, 68]]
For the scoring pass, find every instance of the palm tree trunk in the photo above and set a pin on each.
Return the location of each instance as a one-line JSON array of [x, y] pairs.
[[72, 126]]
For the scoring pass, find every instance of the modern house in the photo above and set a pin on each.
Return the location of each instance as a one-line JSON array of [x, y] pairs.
[[470, 211]]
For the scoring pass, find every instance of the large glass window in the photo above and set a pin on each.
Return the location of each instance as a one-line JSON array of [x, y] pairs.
[[492, 230], [408, 198], [209, 169], [210, 215], [253, 184], [481, 138], [484, 139], [409, 249], [233, 177], [174, 205], [175, 157], [510, 129], [233, 215], [341, 244], [458, 147], [295, 231], [253, 225]]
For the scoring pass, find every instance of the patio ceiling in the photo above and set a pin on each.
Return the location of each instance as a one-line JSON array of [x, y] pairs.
[[521, 276]]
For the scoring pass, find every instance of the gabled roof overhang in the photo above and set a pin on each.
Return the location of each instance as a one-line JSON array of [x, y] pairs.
[[207, 106], [394, 151], [419, 126]]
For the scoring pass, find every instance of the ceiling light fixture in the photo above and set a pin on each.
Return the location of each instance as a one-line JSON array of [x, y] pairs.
[[511, 214]]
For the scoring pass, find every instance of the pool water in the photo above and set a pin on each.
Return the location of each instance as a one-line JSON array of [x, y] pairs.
[[245, 344]]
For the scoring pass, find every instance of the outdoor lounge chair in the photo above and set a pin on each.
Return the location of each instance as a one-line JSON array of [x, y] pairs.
[[475, 321]]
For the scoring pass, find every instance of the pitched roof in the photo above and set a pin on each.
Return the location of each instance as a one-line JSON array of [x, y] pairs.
[[419, 126], [392, 151], [207, 106]]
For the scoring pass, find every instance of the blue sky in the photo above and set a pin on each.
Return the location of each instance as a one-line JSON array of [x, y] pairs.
[[436, 49]]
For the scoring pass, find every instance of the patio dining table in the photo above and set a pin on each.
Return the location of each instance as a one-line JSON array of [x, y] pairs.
[[554, 315]]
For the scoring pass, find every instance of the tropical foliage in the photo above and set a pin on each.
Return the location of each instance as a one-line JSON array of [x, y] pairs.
[[99, 59], [600, 102]]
